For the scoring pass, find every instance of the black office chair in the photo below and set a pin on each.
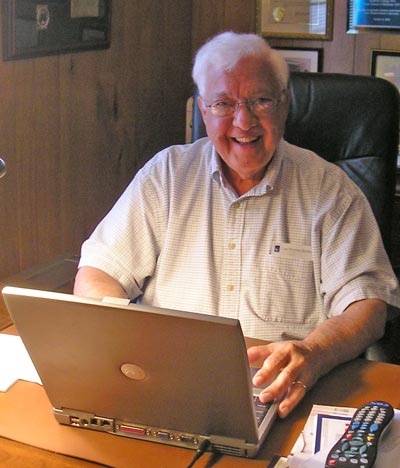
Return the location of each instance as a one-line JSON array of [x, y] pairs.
[[352, 121]]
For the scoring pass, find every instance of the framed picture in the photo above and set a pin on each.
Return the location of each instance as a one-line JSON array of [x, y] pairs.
[[386, 64], [369, 15], [31, 28], [303, 60], [303, 19]]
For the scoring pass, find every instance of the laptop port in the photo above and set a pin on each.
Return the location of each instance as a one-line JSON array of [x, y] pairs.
[[74, 421], [98, 421], [188, 439], [163, 435], [132, 429]]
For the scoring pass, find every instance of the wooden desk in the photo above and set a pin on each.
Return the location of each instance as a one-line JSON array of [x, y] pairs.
[[26, 416]]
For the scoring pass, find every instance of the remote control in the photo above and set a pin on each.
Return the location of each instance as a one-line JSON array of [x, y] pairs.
[[357, 448]]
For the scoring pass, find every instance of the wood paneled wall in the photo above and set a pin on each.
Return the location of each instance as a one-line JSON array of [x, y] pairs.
[[75, 128]]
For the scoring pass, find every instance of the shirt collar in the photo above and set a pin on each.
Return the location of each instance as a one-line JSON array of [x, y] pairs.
[[267, 183]]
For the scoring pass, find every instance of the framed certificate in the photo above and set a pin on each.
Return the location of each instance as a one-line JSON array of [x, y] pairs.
[[300, 19]]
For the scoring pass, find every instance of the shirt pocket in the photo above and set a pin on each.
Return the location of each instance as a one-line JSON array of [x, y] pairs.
[[286, 290]]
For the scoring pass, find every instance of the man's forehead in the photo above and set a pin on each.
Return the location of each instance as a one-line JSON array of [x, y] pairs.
[[250, 76], [220, 88]]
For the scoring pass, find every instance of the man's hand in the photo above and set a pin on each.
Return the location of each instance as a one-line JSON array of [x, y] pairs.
[[290, 368], [287, 366]]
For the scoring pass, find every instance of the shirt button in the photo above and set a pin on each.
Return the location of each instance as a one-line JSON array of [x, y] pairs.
[[230, 287], [236, 205], [232, 245]]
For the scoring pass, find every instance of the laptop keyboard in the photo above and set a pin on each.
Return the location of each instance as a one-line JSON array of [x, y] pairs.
[[260, 408]]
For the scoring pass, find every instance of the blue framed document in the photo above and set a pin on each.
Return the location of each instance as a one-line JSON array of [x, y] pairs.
[[367, 15]]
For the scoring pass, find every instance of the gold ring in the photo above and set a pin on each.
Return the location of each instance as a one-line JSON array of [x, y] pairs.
[[299, 382]]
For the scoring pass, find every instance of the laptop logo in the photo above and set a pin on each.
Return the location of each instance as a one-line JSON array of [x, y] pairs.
[[132, 371]]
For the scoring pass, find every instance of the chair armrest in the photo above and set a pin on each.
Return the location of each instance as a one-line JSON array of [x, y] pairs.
[[387, 349]]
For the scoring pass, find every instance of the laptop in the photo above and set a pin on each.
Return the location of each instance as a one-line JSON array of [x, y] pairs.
[[154, 374]]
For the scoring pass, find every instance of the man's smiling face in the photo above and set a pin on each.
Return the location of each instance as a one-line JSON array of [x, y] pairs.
[[246, 142]]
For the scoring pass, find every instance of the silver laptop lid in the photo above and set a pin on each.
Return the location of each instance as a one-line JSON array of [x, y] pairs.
[[167, 368]]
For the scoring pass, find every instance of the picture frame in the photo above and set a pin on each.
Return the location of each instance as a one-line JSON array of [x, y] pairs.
[[306, 19], [302, 59], [33, 29], [369, 16], [386, 64]]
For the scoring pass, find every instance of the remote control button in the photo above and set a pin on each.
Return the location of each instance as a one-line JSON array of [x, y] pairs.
[[356, 443], [374, 427], [363, 449]]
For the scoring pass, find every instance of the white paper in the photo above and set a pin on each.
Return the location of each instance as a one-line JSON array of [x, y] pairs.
[[15, 362]]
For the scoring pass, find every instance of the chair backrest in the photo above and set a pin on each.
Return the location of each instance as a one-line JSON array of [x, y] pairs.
[[352, 121]]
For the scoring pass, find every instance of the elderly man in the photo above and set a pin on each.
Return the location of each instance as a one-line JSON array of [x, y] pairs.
[[242, 224]]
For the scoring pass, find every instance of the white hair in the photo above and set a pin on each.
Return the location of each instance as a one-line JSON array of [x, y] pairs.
[[224, 51]]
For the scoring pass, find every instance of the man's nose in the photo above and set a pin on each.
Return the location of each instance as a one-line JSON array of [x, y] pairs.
[[243, 117]]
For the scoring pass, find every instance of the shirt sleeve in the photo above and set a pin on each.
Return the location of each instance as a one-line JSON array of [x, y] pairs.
[[125, 243], [354, 263]]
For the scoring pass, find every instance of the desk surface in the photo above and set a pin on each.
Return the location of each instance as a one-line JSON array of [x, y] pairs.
[[26, 416]]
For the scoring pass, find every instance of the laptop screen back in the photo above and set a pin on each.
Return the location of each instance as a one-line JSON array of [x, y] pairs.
[[153, 366]]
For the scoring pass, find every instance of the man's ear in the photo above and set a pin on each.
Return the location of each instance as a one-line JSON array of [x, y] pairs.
[[286, 101], [286, 95], [202, 107]]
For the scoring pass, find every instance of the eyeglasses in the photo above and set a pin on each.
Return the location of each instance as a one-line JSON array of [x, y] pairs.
[[260, 106]]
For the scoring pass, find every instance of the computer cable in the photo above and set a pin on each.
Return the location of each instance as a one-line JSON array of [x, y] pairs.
[[200, 452]]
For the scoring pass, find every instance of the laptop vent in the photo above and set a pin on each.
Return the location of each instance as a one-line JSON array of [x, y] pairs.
[[229, 450]]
